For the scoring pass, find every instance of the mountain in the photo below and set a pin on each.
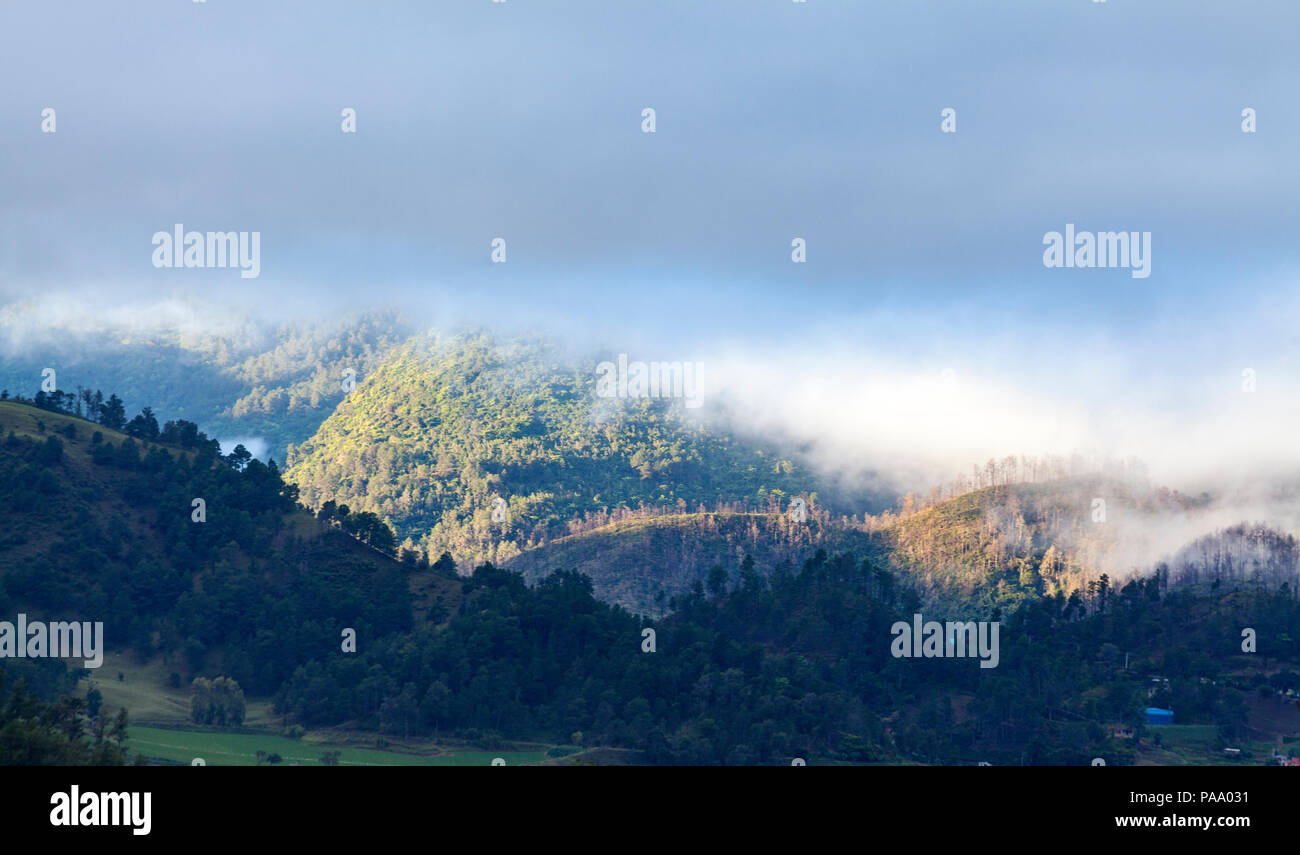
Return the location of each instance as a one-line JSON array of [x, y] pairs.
[[987, 550], [981, 552], [998, 546], [499, 449], [641, 561], [751, 668], [799, 664], [486, 447], [247, 585], [240, 379], [1246, 555], [205, 561]]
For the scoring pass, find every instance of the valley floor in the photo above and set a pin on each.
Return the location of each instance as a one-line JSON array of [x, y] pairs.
[[161, 730]]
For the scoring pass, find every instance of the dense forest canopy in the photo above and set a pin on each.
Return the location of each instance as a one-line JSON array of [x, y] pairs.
[[254, 379], [751, 661], [483, 448]]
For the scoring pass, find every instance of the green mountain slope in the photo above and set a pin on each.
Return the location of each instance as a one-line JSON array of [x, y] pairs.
[[998, 546], [990, 549], [102, 527], [256, 382], [759, 668], [452, 429], [500, 450], [642, 562]]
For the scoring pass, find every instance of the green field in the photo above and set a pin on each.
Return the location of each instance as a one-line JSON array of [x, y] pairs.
[[1198, 745], [1186, 735], [149, 700], [240, 749], [143, 690]]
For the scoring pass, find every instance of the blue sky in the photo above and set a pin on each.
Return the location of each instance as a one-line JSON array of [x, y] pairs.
[[775, 120]]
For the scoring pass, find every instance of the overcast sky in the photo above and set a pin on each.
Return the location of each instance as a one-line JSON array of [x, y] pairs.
[[774, 120]]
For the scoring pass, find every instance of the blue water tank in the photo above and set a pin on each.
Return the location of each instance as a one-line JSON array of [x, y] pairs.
[[1155, 715]]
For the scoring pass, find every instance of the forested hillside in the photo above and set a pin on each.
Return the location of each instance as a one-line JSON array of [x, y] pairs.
[[796, 662], [252, 380], [1247, 555], [641, 561], [103, 526], [753, 664], [991, 548], [999, 546], [484, 448], [500, 450]]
